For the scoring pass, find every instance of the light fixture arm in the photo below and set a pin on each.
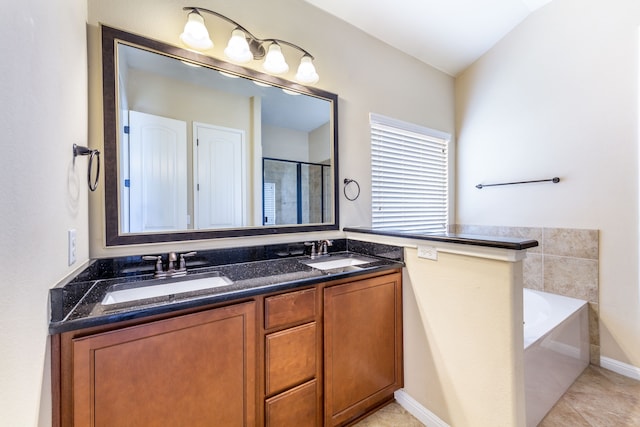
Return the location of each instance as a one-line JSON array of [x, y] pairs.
[[255, 43]]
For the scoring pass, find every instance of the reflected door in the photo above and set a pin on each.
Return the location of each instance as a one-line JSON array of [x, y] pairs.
[[220, 177], [158, 173]]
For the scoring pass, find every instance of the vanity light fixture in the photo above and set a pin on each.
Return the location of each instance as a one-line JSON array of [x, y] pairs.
[[275, 62], [244, 46], [195, 34], [238, 48]]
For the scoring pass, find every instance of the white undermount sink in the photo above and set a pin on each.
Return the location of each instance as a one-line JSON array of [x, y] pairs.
[[339, 261], [163, 289]]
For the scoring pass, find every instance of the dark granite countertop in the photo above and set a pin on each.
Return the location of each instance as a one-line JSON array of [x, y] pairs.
[[463, 239], [78, 303]]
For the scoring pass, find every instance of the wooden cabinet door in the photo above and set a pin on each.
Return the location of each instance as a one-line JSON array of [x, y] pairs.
[[192, 370], [363, 346]]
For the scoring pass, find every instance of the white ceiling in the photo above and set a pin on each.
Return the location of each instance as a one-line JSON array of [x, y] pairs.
[[446, 34]]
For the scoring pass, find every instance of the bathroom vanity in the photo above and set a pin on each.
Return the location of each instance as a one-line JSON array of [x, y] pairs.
[[284, 343], [250, 336]]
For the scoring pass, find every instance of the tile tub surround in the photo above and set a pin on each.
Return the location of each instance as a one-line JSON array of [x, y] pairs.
[[564, 263], [254, 270]]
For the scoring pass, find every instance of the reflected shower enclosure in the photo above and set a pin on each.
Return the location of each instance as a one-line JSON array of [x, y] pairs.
[[295, 192]]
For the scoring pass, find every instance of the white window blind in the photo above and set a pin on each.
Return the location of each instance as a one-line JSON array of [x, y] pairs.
[[409, 166]]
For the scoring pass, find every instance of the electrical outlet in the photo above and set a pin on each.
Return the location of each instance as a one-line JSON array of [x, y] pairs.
[[428, 252], [72, 246]]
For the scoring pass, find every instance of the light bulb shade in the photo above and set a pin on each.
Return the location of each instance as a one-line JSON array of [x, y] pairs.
[[238, 49], [274, 62], [195, 34], [306, 71]]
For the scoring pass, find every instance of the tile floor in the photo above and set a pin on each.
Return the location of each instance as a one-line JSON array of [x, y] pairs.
[[392, 415], [598, 398]]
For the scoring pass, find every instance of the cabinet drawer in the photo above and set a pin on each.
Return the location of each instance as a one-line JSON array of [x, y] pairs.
[[296, 407], [290, 308], [290, 357]]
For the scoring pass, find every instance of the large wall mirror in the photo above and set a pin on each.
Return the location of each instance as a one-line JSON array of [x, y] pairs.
[[197, 148]]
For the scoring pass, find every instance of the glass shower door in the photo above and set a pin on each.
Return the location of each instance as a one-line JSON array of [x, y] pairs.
[[295, 192]]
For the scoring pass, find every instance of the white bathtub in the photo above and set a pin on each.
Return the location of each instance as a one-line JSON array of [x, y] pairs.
[[556, 349]]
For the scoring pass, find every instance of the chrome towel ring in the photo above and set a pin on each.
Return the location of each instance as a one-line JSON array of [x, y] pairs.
[[348, 181], [84, 151]]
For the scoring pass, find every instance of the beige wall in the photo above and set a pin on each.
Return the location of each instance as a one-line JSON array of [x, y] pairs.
[[284, 143], [319, 150], [154, 94], [368, 76], [43, 111], [466, 362], [559, 97]]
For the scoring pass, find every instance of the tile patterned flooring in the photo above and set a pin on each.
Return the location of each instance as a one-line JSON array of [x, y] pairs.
[[392, 415], [598, 398]]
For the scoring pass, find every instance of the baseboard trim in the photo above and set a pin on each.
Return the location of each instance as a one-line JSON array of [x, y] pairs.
[[423, 415], [620, 368]]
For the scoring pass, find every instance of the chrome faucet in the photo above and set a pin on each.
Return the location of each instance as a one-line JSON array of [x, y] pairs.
[[313, 254], [172, 260], [323, 247], [171, 265], [159, 272]]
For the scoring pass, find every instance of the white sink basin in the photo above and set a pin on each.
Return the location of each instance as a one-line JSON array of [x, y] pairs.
[[339, 262], [154, 291]]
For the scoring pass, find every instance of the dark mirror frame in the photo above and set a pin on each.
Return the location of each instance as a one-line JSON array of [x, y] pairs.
[[110, 37]]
